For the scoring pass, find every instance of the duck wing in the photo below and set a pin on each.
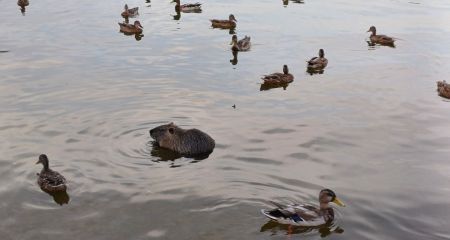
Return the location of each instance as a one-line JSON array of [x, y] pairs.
[[244, 44], [52, 178]]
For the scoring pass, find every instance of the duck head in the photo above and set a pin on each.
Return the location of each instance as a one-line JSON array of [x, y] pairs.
[[321, 53], [285, 69], [373, 30], [43, 160], [126, 7], [326, 196], [137, 24], [231, 18]]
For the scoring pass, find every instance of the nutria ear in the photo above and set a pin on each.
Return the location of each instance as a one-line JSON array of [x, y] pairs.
[[171, 124], [171, 130]]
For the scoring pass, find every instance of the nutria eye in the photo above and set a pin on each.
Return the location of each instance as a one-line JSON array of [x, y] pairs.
[[171, 130]]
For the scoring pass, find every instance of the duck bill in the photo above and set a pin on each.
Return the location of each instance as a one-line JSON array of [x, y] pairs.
[[339, 202]]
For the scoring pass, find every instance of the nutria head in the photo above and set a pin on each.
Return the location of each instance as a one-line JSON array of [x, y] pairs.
[[158, 133]]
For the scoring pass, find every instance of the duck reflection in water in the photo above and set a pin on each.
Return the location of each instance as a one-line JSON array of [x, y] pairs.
[[286, 2], [60, 197], [324, 230], [22, 4], [234, 61]]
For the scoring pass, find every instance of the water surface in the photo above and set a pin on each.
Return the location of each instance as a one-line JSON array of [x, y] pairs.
[[371, 127]]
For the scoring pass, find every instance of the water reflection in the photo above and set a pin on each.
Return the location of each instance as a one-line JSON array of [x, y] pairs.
[[163, 154], [234, 61], [286, 2], [268, 86], [23, 4], [60, 197], [373, 45], [324, 230], [315, 71]]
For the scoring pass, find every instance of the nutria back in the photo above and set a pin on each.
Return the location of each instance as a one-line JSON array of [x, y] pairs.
[[184, 141]]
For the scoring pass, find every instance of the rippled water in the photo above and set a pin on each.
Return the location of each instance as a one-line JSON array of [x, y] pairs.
[[371, 127]]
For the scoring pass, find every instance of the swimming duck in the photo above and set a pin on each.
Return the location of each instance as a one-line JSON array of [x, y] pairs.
[[188, 7], [305, 215], [443, 89], [130, 12], [23, 3], [318, 63], [227, 24], [49, 180], [241, 45], [380, 39], [135, 28], [279, 78]]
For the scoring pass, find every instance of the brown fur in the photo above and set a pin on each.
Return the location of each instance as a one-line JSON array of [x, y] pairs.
[[443, 89], [184, 141]]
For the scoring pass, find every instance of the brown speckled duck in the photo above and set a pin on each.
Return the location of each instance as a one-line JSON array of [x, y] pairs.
[[279, 78], [226, 24], [130, 12], [135, 28], [49, 180], [303, 214], [380, 39], [188, 7], [241, 45], [318, 63], [443, 89]]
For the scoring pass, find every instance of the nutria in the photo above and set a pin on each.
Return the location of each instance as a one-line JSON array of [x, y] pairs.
[[443, 89], [184, 141]]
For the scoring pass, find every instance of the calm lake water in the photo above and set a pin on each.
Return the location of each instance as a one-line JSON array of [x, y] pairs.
[[371, 127]]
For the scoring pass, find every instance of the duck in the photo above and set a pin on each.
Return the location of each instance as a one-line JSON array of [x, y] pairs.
[[443, 89], [49, 180], [304, 214], [23, 3], [318, 63], [279, 78], [241, 45], [130, 12], [380, 39], [135, 28], [226, 24], [188, 7]]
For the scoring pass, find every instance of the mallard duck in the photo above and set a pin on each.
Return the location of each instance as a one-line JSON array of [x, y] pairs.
[[227, 24], [49, 180], [443, 89], [305, 215], [380, 39], [130, 12], [135, 28], [188, 7], [318, 63], [279, 78], [241, 45]]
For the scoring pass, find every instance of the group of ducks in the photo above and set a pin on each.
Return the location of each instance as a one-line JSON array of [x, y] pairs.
[[53, 182], [301, 215]]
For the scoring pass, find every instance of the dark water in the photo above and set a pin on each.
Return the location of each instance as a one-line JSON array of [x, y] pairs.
[[371, 127]]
